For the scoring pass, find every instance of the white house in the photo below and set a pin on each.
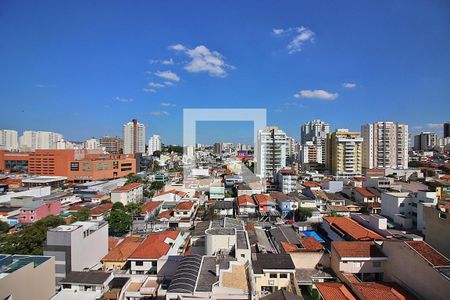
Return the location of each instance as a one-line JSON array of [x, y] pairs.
[[129, 193]]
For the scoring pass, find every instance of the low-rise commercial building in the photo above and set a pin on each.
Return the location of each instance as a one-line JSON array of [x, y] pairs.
[[76, 247]]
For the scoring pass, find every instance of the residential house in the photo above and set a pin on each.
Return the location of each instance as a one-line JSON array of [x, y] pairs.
[[265, 203], [100, 213], [144, 260], [246, 205], [87, 285], [334, 291], [287, 180], [129, 193], [170, 195], [151, 209], [38, 210], [117, 257], [272, 272], [346, 229], [362, 259], [223, 208], [364, 195]]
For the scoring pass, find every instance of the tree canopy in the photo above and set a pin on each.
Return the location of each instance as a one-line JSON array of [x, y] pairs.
[[302, 214]]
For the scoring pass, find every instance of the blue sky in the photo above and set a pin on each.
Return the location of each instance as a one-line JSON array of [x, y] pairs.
[[83, 68]]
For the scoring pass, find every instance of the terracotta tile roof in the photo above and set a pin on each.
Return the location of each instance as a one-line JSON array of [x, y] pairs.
[[287, 171], [359, 178], [357, 249], [310, 244], [127, 187], [346, 226], [123, 250], [245, 200], [338, 208], [165, 214], [429, 253], [364, 192], [311, 184], [113, 241], [179, 193], [380, 291], [155, 245], [151, 206], [334, 291], [374, 204], [186, 205], [101, 209], [262, 199]]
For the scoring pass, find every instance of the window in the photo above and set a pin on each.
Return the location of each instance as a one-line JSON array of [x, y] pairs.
[[74, 166], [154, 263], [139, 263], [273, 275], [283, 275]]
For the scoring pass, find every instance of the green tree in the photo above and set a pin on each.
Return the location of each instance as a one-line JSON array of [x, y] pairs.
[[4, 227], [52, 221], [156, 185], [414, 164], [82, 214], [133, 209], [302, 214], [105, 201], [131, 178], [118, 206], [119, 221]]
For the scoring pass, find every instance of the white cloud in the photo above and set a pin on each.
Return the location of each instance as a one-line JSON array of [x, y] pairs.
[[167, 104], [159, 113], [278, 31], [435, 125], [204, 60], [123, 100], [349, 85], [316, 94], [177, 47], [155, 84], [169, 75], [168, 83], [168, 61], [300, 35], [149, 90], [39, 85], [163, 62]]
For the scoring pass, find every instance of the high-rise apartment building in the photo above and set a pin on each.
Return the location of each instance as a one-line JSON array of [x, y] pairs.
[[92, 144], [291, 152], [134, 137], [154, 144], [36, 140], [315, 131], [9, 140], [271, 152], [344, 153], [446, 130], [218, 148], [425, 141], [385, 145], [311, 153], [112, 144]]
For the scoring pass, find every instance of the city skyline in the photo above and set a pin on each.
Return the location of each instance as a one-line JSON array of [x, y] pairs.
[[298, 61]]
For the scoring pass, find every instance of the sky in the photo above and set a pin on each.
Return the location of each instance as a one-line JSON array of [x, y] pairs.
[[84, 68]]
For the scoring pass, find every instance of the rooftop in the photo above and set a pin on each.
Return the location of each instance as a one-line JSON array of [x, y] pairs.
[[334, 291], [381, 291], [186, 274], [12, 263], [91, 277], [268, 261], [151, 206], [124, 249], [435, 258], [155, 245], [357, 249], [347, 227], [127, 187]]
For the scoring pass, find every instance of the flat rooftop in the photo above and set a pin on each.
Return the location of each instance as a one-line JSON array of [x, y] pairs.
[[12, 263]]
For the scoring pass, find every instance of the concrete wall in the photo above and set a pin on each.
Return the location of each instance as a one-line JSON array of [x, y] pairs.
[[88, 251], [217, 242], [309, 260], [30, 282], [437, 229], [409, 269]]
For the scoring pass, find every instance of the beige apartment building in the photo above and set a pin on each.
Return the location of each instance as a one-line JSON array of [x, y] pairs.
[[27, 277], [385, 145], [344, 153]]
